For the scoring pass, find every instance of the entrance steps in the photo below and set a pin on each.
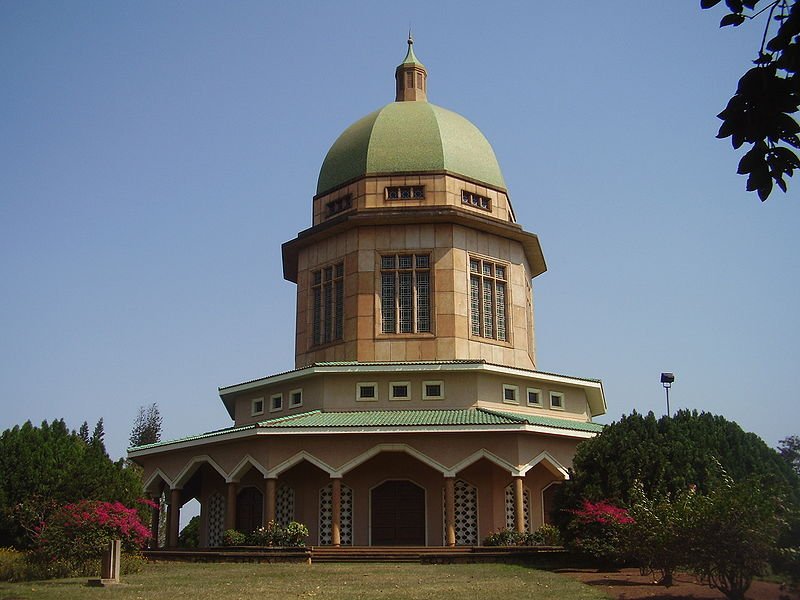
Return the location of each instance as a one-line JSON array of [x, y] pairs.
[[391, 554], [541, 555]]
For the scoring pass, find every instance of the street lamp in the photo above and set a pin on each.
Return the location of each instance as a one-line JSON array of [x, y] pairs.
[[666, 380]]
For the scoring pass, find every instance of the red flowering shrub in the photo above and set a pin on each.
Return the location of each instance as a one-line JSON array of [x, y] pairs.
[[78, 532], [602, 512], [597, 530]]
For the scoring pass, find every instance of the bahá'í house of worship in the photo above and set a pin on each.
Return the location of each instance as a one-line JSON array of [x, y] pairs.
[[415, 414]]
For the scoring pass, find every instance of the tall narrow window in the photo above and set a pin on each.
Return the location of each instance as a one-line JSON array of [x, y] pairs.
[[327, 310], [487, 299], [405, 293]]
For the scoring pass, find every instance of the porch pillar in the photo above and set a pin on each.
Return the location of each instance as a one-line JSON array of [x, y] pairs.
[[450, 510], [155, 515], [269, 499], [519, 504], [174, 517], [230, 506], [336, 512]]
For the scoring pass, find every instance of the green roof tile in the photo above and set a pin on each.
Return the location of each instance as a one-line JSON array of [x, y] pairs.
[[392, 418], [316, 419], [551, 421]]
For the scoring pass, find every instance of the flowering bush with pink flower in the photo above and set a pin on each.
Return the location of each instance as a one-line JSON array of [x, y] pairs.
[[77, 533], [597, 530]]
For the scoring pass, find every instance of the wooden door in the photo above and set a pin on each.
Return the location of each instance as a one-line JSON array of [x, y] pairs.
[[249, 509], [398, 514]]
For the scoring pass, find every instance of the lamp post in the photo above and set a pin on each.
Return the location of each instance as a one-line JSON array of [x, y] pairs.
[[666, 380]]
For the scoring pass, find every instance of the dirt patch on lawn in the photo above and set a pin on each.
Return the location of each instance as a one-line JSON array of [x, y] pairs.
[[628, 584]]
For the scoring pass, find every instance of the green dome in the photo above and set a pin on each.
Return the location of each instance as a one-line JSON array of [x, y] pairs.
[[410, 137]]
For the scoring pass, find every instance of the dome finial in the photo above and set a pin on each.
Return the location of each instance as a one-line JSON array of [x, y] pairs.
[[411, 76]]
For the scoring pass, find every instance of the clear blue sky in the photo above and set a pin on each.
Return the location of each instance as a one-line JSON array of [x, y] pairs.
[[154, 155]]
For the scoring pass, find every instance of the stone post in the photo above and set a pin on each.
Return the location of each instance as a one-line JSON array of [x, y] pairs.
[[109, 569]]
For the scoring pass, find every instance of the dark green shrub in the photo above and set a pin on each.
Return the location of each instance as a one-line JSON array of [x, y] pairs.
[[546, 535], [292, 535], [732, 535], [231, 537], [504, 537]]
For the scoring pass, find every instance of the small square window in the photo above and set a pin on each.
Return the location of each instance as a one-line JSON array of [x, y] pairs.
[[275, 402], [388, 262], [557, 400], [257, 407], [510, 394], [295, 398], [367, 392], [400, 390], [534, 397], [433, 390]]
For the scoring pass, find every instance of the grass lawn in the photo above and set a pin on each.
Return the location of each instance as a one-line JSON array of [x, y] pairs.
[[362, 581]]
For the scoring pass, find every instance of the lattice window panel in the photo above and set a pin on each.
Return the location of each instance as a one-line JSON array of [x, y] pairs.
[[326, 516], [216, 519], [284, 505], [466, 521], [526, 508]]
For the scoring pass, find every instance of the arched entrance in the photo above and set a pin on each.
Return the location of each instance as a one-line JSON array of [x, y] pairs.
[[249, 509], [397, 514]]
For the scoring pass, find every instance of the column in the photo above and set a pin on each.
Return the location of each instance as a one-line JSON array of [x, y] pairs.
[[230, 506], [519, 504], [269, 500], [450, 511], [174, 517], [155, 515], [336, 512]]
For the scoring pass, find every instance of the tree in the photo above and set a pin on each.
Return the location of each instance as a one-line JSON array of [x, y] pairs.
[[733, 533], [147, 426], [83, 432], [47, 466], [759, 113], [97, 436], [670, 455], [789, 449], [657, 538]]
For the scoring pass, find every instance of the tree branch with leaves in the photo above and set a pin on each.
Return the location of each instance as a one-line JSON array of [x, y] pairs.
[[760, 112]]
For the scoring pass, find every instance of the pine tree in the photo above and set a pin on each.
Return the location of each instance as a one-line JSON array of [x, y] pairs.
[[147, 426], [83, 432], [96, 441]]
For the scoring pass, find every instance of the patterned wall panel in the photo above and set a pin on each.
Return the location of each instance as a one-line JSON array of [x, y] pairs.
[[216, 519], [284, 505], [466, 513]]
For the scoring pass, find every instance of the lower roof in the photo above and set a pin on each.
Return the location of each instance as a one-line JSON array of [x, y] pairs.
[[387, 421]]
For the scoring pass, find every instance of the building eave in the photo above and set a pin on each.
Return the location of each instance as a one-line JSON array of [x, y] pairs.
[[439, 214]]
